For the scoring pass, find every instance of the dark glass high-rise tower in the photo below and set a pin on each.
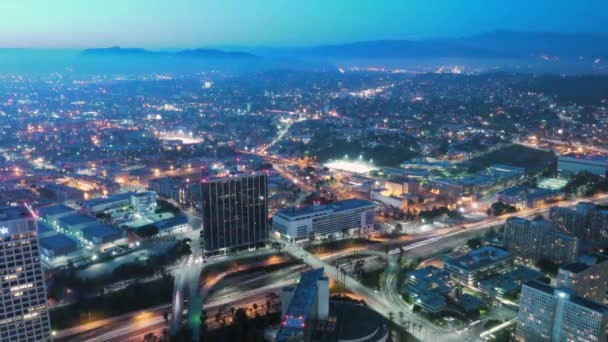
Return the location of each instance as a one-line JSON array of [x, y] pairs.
[[234, 213]]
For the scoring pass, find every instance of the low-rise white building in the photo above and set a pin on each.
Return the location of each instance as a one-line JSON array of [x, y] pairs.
[[573, 163], [299, 223]]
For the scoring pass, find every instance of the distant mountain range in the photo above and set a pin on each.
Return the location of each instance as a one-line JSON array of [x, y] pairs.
[[193, 53], [499, 44], [537, 44], [492, 45]]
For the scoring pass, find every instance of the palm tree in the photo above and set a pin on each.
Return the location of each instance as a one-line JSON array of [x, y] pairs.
[[255, 309], [344, 232], [150, 337]]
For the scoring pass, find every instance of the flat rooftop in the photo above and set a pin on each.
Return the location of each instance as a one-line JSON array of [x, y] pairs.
[[9, 213], [349, 204], [101, 230], [44, 228], [512, 191], [479, 258], [54, 210], [300, 305], [111, 199], [213, 178], [76, 219], [511, 280], [427, 274], [572, 297], [575, 267], [58, 242], [600, 158]]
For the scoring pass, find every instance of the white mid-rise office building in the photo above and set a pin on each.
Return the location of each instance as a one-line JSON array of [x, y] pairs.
[[573, 163], [23, 309], [300, 223]]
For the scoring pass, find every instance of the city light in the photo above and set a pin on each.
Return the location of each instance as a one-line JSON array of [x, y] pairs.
[[352, 166], [415, 171]]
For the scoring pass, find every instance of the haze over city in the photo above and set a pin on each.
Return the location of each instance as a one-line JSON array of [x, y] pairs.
[[303, 171], [189, 23]]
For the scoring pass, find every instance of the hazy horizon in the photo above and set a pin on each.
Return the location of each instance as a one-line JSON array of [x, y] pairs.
[[162, 24], [234, 47]]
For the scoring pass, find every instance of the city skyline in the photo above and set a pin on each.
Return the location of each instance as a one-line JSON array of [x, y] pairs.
[[244, 171]]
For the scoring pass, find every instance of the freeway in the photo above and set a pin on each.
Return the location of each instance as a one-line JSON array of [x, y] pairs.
[[134, 325], [374, 300], [187, 279], [390, 300], [386, 303]]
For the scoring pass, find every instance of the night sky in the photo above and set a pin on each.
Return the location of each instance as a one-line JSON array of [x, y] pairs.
[[198, 23]]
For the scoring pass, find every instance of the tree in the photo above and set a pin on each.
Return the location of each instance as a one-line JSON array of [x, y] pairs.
[[454, 214], [401, 254], [500, 208], [150, 337], [183, 334], [547, 266], [409, 216], [244, 330], [490, 234], [311, 236], [146, 231], [103, 216], [344, 232], [359, 267], [474, 243]]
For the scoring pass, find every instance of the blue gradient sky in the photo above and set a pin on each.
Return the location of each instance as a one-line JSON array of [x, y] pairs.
[[194, 23]]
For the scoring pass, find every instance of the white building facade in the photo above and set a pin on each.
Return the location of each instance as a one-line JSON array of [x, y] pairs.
[[299, 224]]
